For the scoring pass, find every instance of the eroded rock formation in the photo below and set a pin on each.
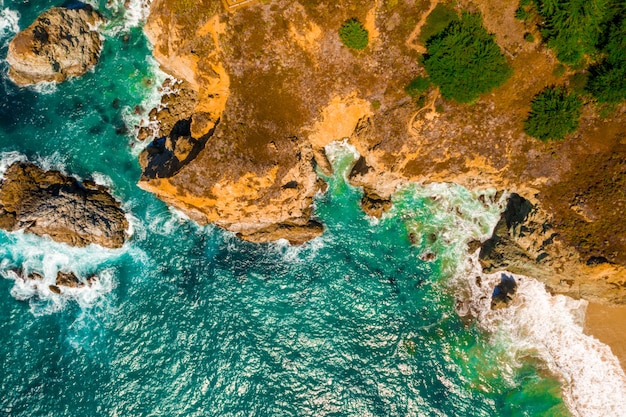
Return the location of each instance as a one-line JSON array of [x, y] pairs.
[[272, 85], [49, 203], [526, 242], [60, 43]]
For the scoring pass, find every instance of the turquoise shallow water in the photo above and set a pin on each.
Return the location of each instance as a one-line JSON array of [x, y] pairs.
[[190, 321]]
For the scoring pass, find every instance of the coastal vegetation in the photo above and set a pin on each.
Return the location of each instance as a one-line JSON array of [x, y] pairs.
[[588, 35], [353, 34], [554, 113], [607, 79], [417, 86], [441, 16], [464, 60]]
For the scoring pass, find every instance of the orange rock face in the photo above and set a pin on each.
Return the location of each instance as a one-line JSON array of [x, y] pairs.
[[272, 85]]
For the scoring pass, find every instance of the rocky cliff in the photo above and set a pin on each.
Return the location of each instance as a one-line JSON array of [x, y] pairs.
[[50, 203], [272, 84], [60, 43]]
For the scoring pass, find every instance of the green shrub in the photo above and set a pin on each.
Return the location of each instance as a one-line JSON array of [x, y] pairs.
[[607, 83], [607, 80], [573, 28], [417, 86], [522, 14], [436, 21], [528, 37], [559, 70], [554, 113], [465, 61], [353, 34]]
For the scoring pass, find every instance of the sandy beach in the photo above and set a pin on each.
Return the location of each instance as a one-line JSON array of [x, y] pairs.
[[608, 324]]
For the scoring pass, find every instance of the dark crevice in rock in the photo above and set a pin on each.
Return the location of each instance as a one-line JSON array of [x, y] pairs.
[[166, 156]]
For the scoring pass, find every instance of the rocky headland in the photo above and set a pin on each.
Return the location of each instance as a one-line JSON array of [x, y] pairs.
[[268, 86], [48, 203], [60, 43]]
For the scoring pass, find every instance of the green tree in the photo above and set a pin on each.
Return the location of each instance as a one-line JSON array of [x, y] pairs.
[[353, 34], [607, 80], [464, 60], [554, 113], [417, 86], [573, 28]]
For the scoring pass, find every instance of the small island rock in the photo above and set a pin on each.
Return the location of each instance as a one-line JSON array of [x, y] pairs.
[[61, 43], [50, 203]]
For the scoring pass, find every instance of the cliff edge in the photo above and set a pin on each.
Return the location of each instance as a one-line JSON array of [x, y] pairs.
[[266, 87]]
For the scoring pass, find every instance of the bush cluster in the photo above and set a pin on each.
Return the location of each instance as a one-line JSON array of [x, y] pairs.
[[464, 60], [353, 34], [607, 79], [554, 113]]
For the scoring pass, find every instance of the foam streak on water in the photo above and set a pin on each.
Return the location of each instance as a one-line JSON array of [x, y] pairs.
[[9, 20], [23, 254], [550, 328], [536, 324]]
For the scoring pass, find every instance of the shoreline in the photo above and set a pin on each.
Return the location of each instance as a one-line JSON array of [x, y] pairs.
[[608, 324]]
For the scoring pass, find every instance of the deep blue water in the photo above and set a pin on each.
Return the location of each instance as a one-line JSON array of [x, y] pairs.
[[190, 321]]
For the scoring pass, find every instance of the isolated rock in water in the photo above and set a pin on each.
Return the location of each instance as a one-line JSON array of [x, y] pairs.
[[503, 292], [60, 43], [49, 203]]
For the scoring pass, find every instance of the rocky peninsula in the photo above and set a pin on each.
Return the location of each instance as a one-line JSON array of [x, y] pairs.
[[48, 203], [60, 43], [268, 86]]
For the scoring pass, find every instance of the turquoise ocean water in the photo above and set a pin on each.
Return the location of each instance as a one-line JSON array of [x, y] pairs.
[[190, 321]]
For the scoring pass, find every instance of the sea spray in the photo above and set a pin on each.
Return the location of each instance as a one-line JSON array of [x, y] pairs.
[[9, 24], [24, 254], [536, 325], [125, 15]]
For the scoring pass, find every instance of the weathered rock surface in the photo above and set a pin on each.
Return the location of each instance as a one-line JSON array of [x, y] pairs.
[[525, 242], [273, 85], [60, 43], [63, 280], [49, 203]]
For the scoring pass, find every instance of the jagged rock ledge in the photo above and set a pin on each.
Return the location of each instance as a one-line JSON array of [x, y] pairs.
[[265, 88], [48, 203], [62, 42], [525, 242]]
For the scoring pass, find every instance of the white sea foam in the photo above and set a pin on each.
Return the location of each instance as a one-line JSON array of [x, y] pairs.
[[55, 161], [127, 14], [44, 87], [340, 149], [9, 23], [9, 158], [550, 328], [33, 254]]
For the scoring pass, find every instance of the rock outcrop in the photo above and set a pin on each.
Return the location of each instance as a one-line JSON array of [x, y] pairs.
[[63, 280], [272, 85], [525, 242], [49, 203], [61, 43]]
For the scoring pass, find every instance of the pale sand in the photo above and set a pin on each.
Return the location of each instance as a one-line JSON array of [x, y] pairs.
[[608, 324]]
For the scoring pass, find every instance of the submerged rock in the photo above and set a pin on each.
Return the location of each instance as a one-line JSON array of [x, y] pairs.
[[50, 203], [61, 43]]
